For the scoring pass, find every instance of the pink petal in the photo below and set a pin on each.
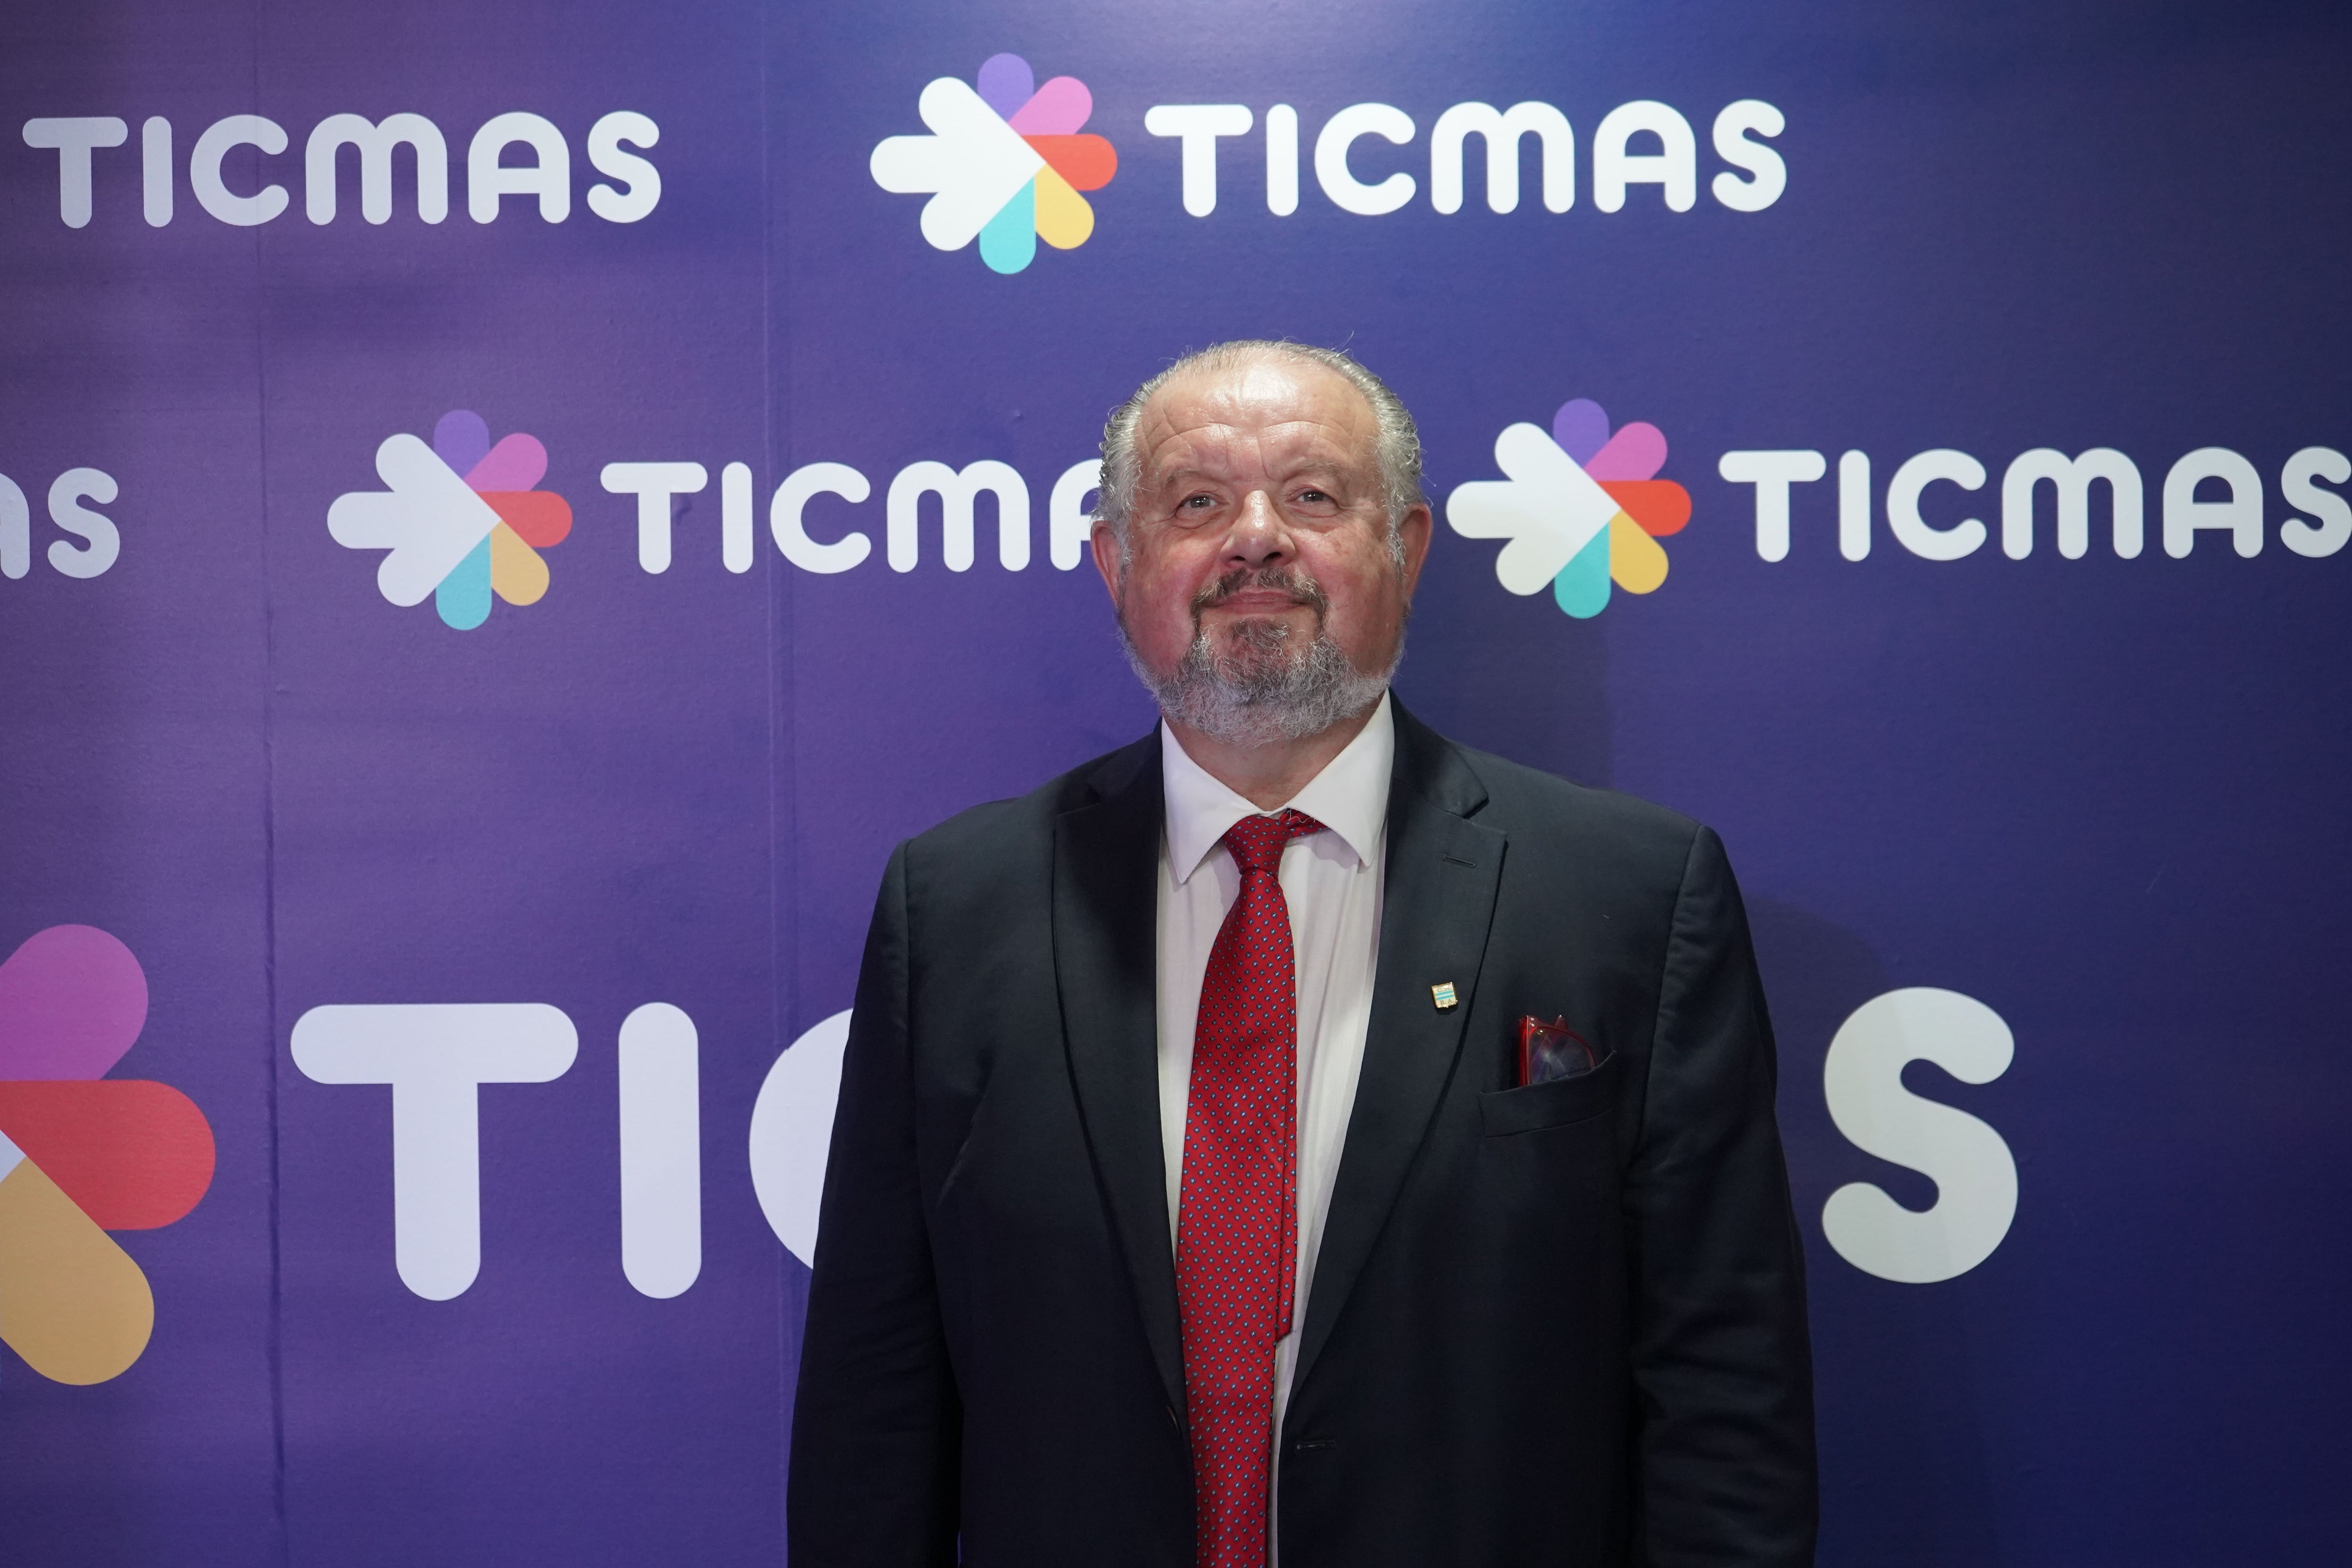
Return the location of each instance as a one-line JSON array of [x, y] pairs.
[[1636, 452], [1060, 109], [517, 463]]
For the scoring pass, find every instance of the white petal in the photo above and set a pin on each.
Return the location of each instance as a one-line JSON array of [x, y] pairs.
[[974, 162], [1547, 509], [428, 519]]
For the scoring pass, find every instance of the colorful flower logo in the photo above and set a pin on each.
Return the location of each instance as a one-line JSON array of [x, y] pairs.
[[81, 1155], [1582, 508], [1003, 164], [462, 520]]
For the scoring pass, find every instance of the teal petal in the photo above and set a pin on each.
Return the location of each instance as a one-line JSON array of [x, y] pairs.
[[1009, 243], [464, 596], [1582, 586]]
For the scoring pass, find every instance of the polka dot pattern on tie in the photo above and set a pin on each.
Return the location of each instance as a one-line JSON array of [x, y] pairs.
[[1238, 1245]]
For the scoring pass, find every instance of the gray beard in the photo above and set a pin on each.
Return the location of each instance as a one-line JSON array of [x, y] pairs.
[[1260, 687]]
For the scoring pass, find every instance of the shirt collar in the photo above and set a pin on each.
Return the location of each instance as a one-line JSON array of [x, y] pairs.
[[1349, 796]]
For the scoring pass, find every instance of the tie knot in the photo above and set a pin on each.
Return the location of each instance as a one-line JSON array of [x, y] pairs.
[[1256, 841]]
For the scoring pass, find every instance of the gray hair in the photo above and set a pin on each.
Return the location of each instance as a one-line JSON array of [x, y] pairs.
[[1399, 445]]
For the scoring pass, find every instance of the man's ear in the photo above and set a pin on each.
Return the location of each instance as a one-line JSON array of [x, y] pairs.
[[1103, 541], [1414, 529]]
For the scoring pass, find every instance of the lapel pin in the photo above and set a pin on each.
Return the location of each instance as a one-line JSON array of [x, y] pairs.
[[1443, 997]]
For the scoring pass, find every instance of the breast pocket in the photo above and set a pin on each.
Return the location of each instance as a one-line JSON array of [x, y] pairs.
[[1560, 1103]]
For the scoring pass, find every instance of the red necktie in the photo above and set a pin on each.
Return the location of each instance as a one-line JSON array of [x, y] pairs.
[[1237, 1236]]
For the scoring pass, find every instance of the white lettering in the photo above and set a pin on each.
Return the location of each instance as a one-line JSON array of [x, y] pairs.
[[1767, 175], [1675, 166], [549, 178], [15, 529], [1853, 506], [1771, 473], [1069, 520], [376, 143], [792, 1134], [73, 139], [1501, 133], [205, 170], [1282, 159], [155, 170], [1914, 533], [654, 484], [2298, 481], [957, 493], [1974, 1172], [661, 1150], [1197, 127], [2071, 479], [1331, 171], [65, 496], [735, 547], [622, 128], [2184, 514], [785, 512], [434, 1056], [213, 194]]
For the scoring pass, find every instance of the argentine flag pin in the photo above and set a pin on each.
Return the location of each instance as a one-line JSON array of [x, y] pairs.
[[1443, 995]]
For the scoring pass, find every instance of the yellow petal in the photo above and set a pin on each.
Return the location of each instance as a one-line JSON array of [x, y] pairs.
[[71, 1303], [517, 571], [1637, 564], [1063, 218]]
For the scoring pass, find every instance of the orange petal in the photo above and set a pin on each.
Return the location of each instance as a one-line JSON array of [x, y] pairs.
[[517, 571], [1637, 563], [1660, 506], [1064, 219], [538, 517], [1086, 160], [71, 1303]]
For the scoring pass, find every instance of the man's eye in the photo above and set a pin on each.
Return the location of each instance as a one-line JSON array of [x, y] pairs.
[[1313, 496], [1197, 501]]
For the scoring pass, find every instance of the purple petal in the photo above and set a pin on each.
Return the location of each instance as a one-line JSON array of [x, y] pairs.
[[461, 439], [1006, 83], [1580, 428]]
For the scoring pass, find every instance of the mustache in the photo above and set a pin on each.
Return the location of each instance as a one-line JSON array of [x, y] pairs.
[[1302, 588]]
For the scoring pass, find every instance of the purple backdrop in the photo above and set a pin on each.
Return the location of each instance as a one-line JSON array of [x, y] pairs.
[[2100, 795]]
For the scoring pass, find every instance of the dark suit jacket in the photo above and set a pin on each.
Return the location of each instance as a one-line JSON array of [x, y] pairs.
[[1560, 1324]]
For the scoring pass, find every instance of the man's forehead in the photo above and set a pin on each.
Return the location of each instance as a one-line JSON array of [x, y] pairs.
[[1260, 408]]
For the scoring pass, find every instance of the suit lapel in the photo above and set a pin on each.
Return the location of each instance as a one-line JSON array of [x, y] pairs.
[[1443, 873], [1106, 909]]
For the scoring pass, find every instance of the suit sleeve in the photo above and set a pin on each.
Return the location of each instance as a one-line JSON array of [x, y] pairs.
[[875, 1440], [1722, 1365]]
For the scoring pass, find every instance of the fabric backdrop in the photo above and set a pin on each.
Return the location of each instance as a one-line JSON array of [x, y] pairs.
[[474, 833]]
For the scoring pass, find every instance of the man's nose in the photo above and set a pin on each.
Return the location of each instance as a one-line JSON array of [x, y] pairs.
[[1259, 537]]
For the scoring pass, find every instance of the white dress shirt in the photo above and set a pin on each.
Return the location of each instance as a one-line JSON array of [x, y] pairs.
[[1331, 880]]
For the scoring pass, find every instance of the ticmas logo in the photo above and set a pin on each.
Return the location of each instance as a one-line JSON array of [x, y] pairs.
[[462, 520], [1003, 164], [81, 1155], [1582, 508]]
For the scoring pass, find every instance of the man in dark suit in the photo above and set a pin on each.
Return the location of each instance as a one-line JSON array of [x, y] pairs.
[[1295, 1137]]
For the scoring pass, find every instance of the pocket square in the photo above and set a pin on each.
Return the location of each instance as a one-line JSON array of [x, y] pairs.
[[1549, 1051]]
